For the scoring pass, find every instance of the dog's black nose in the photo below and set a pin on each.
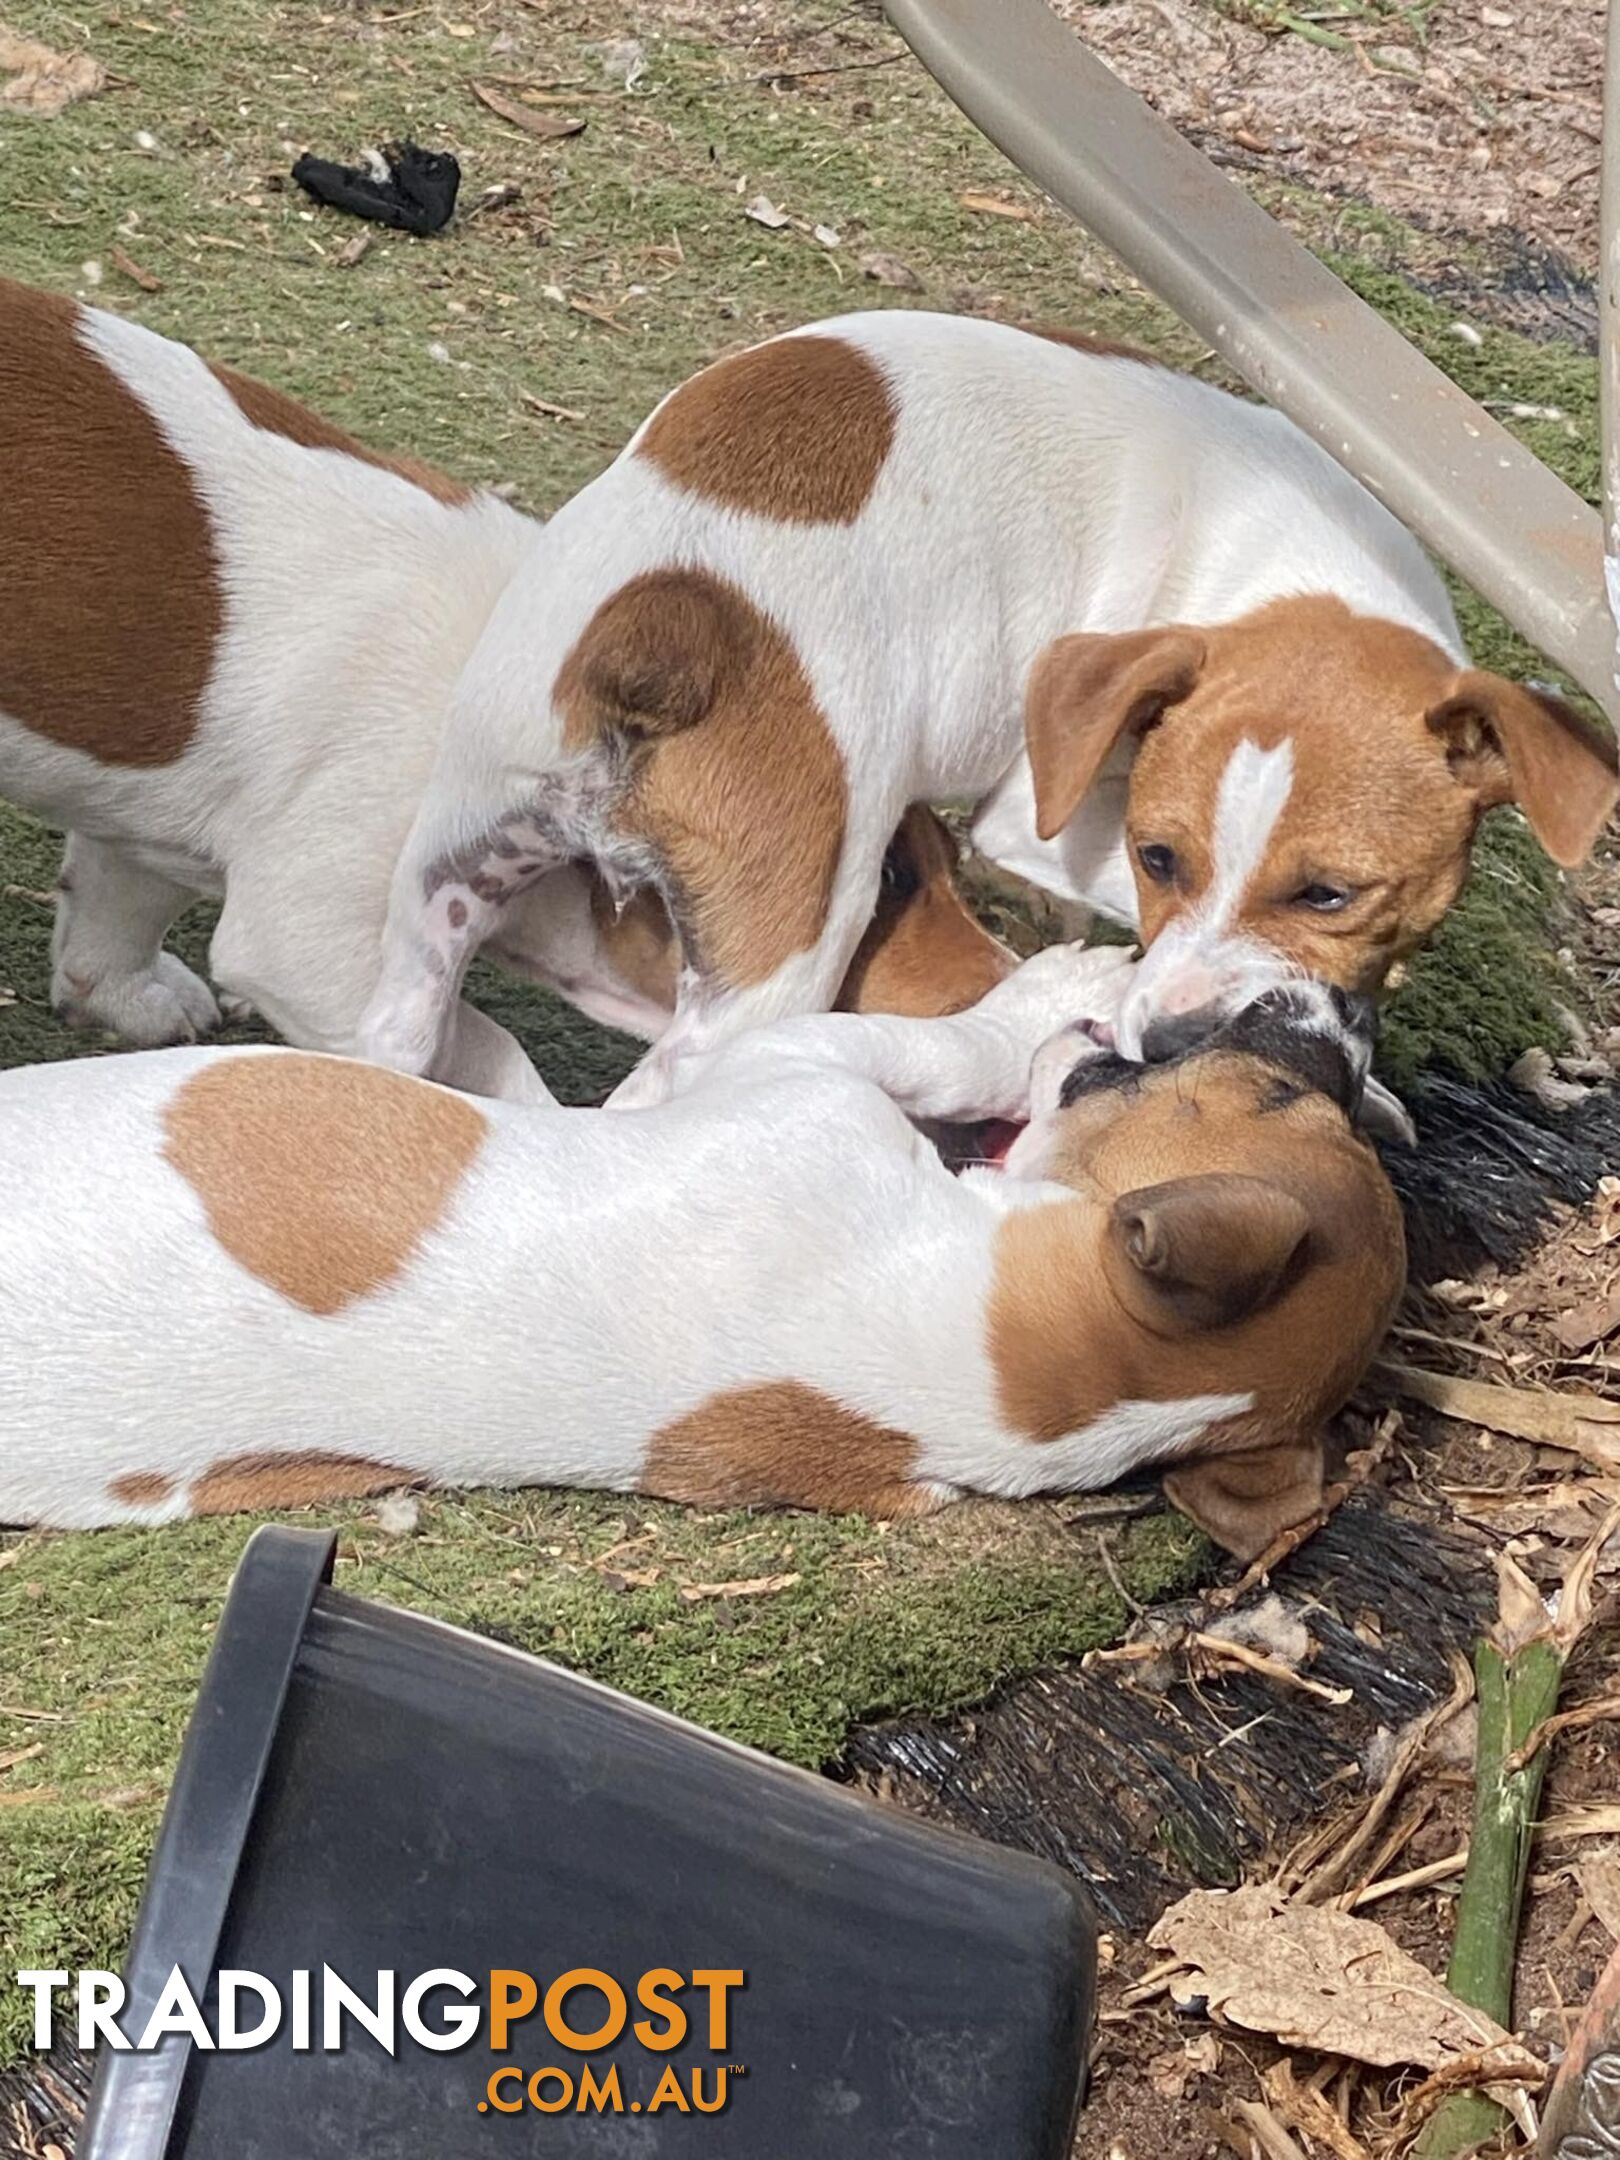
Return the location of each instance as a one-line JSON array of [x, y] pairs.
[[1172, 1035]]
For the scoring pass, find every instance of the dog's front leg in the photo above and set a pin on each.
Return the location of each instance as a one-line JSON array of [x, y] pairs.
[[970, 1066], [108, 966]]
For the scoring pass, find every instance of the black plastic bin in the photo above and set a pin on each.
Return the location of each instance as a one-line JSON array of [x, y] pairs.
[[367, 1790]]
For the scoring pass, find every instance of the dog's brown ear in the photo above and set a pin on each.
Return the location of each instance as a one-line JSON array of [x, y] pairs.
[[1513, 744], [1084, 693], [1201, 1252], [1244, 1501]]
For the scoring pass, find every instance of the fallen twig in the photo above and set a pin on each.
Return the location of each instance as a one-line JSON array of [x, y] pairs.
[[1418, 1878], [1268, 2131], [1221, 1649], [1327, 1879], [1592, 1713], [1358, 1469]]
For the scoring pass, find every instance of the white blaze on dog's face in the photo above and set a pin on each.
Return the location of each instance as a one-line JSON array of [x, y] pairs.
[[1305, 791]]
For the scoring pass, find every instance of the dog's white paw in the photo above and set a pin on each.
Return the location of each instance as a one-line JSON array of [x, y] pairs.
[[148, 1012], [1062, 986]]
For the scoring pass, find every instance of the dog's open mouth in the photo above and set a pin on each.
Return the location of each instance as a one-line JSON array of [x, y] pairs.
[[983, 1145]]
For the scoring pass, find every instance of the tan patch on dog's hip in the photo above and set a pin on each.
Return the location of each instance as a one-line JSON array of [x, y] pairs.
[[247, 1484], [788, 1444], [282, 415], [319, 1176], [739, 786], [796, 430], [142, 1488], [111, 608]]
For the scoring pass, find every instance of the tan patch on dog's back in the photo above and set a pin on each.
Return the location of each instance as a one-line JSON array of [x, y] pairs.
[[796, 430], [247, 1484], [319, 1176], [787, 1444], [739, 786], [282, 415], [142, 1488], [111, 608]]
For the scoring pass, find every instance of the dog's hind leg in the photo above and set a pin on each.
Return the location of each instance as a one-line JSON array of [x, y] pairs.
[[303, 952], [108, 966]]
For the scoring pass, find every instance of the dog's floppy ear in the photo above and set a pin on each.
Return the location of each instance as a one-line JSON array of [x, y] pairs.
[[1201, 1252], [1513, 744], [1084, 693], [1243, 1501]]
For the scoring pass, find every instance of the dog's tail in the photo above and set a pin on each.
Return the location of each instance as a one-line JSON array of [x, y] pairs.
[[658, 657]]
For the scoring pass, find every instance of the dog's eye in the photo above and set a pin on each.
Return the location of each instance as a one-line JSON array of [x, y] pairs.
[[900, 879], [1158, 861], [1324, 899]]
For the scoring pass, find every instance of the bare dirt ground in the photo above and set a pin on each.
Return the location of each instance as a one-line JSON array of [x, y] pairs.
[[1465, 115]]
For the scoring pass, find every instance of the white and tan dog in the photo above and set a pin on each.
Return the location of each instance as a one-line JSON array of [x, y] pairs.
[[229, 636], [1192, 673], [250, 1279]]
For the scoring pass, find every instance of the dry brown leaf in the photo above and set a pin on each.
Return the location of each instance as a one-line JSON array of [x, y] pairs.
[[885, 269], [1522, 1612], [14, 1756], [353, 251], [1317, 1978], [1583, 1424], [996, 206], [1599, 1879], [550, 127], [1589, 1322], [1582, 1822], [749, 1586], [1569, 1510], [44, 82]]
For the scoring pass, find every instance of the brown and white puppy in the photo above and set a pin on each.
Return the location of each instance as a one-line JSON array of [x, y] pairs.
[[229, 635], [330, 1279], [1189, 670]]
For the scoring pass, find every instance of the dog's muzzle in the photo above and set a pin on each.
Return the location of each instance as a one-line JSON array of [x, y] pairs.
[[1316, 1032]]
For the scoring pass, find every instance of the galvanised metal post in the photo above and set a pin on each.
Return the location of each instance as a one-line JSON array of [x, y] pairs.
[[1288, 326]]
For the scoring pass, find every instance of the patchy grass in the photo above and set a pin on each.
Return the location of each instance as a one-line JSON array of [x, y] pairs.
[[434, 347]]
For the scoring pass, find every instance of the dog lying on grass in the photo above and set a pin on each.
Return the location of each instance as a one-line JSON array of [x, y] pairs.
[[256, 1279]]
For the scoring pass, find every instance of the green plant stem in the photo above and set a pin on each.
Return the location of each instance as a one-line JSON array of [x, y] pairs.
[[1515, 1695]]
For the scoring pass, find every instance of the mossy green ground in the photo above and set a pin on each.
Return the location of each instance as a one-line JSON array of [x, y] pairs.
[[435, 347]]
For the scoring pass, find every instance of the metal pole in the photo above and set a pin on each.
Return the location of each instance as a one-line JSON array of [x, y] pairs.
[[1290, 328]]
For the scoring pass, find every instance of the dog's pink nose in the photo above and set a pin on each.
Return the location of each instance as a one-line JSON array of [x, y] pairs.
[[1189, 992]]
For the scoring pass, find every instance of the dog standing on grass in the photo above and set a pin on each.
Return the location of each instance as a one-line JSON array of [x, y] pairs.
[[1189, 670]]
